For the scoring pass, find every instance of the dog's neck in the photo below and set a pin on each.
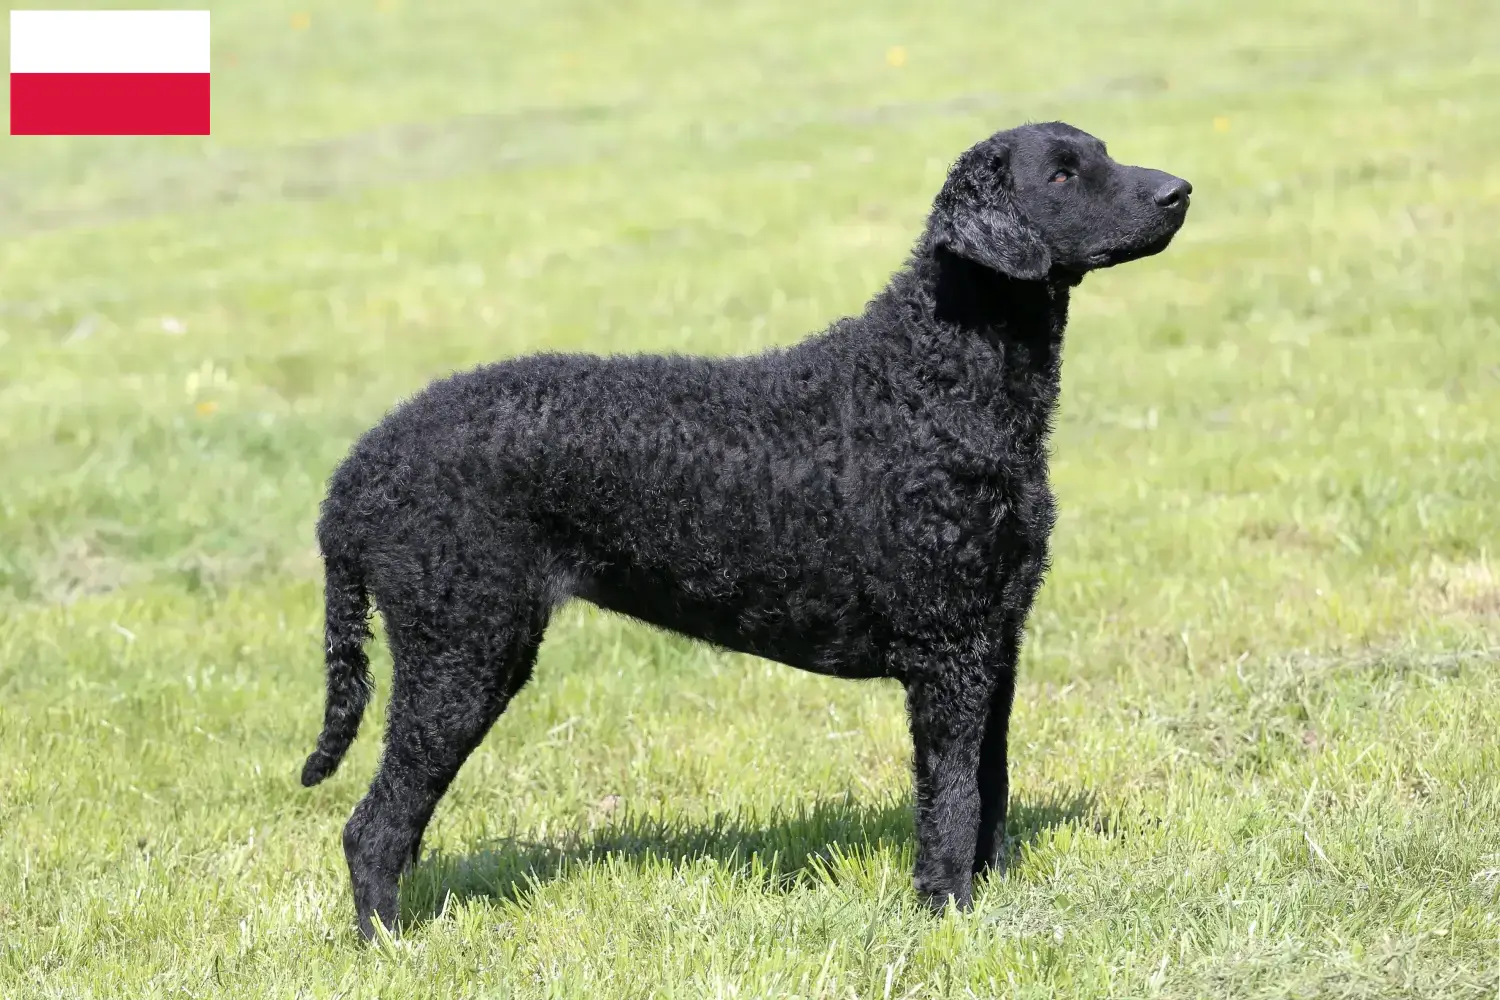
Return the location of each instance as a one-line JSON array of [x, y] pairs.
[[996, 340], [961, 301], [973, 298]]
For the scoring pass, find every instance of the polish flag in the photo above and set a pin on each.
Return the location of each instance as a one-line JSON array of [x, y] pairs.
[[109, 72]]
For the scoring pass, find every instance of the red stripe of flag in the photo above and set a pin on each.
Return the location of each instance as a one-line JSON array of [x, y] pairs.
[[109, 103]]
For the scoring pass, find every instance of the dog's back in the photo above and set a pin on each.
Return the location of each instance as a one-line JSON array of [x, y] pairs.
[[737, 500]]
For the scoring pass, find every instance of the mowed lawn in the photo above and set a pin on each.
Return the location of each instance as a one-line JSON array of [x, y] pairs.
[[1255, 751]]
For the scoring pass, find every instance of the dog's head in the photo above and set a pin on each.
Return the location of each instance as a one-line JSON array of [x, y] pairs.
[[1047, 200]]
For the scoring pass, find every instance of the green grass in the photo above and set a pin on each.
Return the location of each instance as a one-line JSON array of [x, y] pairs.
[[1255, 747]]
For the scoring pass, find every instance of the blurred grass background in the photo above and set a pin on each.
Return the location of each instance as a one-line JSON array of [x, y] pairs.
[[1255, 752]]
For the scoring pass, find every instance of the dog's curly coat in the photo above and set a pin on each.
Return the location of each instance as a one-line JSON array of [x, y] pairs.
[[872, 502]]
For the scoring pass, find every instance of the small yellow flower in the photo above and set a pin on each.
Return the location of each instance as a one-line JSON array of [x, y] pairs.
[[206, 407], [896, 55], [301, 21], [1221, 124]]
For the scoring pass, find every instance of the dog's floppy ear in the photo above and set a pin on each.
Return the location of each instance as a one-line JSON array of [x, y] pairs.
[[976, 216]]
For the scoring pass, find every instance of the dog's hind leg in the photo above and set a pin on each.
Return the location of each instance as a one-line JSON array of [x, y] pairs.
[[517, 671], [452, 679]]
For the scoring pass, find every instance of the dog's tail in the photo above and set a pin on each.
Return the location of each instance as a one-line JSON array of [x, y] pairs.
[[347, 615]]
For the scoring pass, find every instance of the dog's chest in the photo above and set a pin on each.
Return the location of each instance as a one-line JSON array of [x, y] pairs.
[[976, 510]]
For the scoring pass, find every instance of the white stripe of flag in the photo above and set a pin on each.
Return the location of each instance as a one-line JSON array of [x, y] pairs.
[[109, 41]]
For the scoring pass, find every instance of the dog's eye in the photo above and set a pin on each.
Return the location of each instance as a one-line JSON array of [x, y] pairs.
[[1061, 176]]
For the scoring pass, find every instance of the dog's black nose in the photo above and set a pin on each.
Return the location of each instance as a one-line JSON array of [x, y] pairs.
[[1174, 193]]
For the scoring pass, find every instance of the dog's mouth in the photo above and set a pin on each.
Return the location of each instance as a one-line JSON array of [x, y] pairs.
[[1124, 254]]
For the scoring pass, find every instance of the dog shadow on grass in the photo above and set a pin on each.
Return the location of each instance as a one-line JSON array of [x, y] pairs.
[[782, 850]]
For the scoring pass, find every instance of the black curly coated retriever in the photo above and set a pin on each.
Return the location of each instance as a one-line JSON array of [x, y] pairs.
[[872, 502]]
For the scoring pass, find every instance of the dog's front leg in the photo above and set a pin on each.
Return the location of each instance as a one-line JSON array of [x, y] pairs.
[[994, 780], [948, 705]]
